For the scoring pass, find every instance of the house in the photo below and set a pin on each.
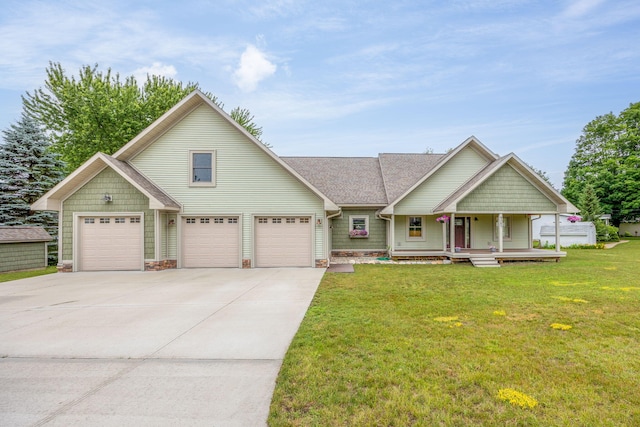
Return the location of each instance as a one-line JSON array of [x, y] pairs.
[[195, 189], [630, 228], [23, 248]]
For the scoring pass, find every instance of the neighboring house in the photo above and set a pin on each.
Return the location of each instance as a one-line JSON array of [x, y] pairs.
[[571, 233], [23, 247], [195, 189], [629, 228]]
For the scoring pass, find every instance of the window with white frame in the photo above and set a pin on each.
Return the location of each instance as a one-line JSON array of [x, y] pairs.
[[202, 168], [359, 226], [506, 227], [415, 228]]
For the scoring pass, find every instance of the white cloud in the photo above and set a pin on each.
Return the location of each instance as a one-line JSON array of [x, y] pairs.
[[156, 69], [580, 8], [253, 68]]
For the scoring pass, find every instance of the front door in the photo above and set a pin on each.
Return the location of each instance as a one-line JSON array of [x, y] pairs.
[[463, 232]]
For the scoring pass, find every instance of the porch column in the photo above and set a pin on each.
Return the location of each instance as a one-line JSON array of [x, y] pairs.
[[452, 232], [500, 232], [392, 235], [557, 232], [444, 236]]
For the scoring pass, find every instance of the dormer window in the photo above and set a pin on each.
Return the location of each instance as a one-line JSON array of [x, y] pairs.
[[202, 167]]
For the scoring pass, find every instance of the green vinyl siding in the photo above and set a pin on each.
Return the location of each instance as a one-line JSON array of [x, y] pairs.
[[377, 238], [442, 183], [506, 191], [247, 181], [22, 256], [88, 198], [168, 236], [483, 236], [432, 230]]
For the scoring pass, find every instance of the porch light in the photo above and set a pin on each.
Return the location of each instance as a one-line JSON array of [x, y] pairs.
[[107, 198]]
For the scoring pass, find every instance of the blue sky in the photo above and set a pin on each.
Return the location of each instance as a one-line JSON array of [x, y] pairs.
[[356, 78]]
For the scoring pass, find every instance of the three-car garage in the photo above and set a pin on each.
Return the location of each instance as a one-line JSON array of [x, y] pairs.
[[116, 242]]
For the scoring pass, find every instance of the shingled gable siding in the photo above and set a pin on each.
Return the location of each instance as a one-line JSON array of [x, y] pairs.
[[506, 191], [22, 256], [377, 231], [248, 182], [442, 183], [126, 198]]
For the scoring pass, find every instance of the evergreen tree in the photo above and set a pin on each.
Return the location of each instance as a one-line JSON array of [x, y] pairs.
[[589, 204], [27, 170]]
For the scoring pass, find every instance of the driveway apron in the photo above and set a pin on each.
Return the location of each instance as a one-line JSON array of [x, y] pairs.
[[176, 347]]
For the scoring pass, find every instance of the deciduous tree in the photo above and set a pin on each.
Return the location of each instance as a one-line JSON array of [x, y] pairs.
[[99, 111], [607, 156]]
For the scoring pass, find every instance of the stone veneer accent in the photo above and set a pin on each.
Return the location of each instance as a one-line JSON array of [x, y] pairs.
[[322, 263], [165, 264], [246, 263], [65, 268], [361, 253]]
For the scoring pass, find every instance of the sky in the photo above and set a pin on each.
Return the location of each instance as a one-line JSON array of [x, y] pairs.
[[355, 78]]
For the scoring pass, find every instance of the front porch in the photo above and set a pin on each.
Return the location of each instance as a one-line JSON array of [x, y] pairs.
[[448, 257], [466, 255]]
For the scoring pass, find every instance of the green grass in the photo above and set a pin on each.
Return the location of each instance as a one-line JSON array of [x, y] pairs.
[[15, 275], [371, 350]]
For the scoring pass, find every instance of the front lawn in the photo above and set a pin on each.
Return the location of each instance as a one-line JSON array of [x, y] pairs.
[[15, 275], [457, 345]]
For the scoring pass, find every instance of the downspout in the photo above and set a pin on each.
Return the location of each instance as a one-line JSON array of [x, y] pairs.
[[327, 231], [531, 229], [390, 242]]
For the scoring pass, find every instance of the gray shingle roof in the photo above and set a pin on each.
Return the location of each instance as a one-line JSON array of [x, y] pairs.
[[364, 180], [344, 180], [402, 171], [23, 233]]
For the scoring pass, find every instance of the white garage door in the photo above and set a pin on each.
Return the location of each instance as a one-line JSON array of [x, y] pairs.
[[210, 242], [283, 241], [110, 243]]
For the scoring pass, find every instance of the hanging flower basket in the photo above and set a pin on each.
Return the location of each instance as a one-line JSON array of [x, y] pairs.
[[442, 219], [574, 218], [358, 234]]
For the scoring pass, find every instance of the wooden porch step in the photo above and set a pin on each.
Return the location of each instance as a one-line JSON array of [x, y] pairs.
[[484, 262]]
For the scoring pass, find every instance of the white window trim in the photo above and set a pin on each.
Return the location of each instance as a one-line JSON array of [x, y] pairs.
[[507, 235], [213, 168], [366, 225], [424, 230]]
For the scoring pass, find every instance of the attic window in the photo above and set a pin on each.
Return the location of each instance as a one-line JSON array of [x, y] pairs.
[[202, 167]]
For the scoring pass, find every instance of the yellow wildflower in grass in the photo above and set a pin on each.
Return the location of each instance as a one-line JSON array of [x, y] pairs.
[[517, 398], [625, 289], [611, 268], [571, 299], [499, 313], [446, 318], [561, 326], [455, 325]]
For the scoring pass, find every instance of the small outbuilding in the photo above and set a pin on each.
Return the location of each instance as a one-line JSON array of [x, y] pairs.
[[23, 248]]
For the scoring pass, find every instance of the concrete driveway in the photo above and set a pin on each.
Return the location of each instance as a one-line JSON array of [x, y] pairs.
[[177, 347]]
